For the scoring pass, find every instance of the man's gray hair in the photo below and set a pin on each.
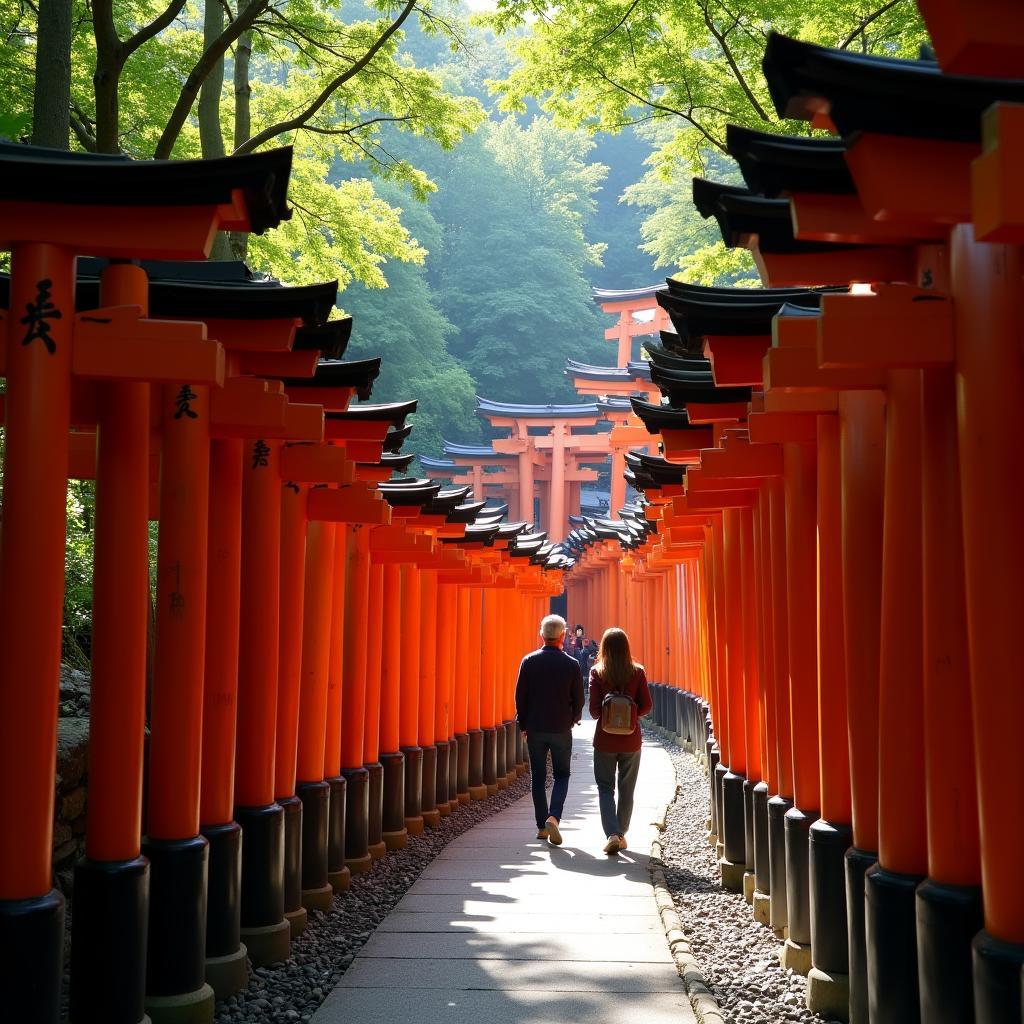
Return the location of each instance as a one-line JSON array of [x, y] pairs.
[[552, 627]]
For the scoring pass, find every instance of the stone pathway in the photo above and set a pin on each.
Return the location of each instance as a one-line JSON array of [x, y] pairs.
[[504, 929]]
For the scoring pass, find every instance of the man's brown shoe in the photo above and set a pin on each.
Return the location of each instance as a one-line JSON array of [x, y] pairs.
[[542, 833], [554, 836], [612, 846]]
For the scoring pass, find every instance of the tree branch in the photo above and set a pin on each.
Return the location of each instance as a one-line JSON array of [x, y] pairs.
[[82, 133], [727, 53], [615, 28], [299, 120], [154, 28], [864, 22], [206, 63]]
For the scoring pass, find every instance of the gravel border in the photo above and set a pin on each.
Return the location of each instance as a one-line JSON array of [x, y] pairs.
[[704, 1004], [293, 990], [728, 961]]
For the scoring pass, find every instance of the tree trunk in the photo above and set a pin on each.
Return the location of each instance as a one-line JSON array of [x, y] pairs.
[[106, 81], [209, 95], [51, 101], [243, 113]]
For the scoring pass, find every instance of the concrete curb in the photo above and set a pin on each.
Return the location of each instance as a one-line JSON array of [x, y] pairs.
[[704, 1004]]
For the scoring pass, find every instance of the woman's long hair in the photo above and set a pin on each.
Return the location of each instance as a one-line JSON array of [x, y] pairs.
[[614, 661]]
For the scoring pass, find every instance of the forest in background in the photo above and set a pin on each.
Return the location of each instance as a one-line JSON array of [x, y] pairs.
[[466, 177]]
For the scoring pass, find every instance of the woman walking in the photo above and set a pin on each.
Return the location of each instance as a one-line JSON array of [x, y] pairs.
[[619, 698]]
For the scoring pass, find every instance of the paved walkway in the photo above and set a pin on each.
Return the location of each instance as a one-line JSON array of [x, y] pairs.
[[504, 929]]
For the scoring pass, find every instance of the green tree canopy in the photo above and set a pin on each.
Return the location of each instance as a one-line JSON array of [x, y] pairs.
[[685, 67]]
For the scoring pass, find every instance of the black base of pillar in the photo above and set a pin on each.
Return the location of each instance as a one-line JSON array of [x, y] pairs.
[[501, 768], [442, 801], [798, 880], [717, 777], [453, 773], [462, 767], [338, 874], [510, 749], [315, 798], [224, 889], [108, 957], [857, 864], [778, 808], [748, 824], [265, 932], [294, 911], [176, 938], [476, 763], [733, 834], [490, 759], [828, 843], [762, 868], [357, 819], [32, 938], [227, 970], [714, 759], [394, 834], [890, 920], [413, 789], [997, 980], [375, 810], [428, 798], [948, 918]]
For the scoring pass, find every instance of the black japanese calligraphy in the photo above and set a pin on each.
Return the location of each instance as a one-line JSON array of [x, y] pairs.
[[38, 314]]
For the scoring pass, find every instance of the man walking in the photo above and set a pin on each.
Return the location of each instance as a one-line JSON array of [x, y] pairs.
[[549, 702]]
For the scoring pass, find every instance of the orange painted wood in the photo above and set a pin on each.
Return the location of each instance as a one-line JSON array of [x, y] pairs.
[[166, 233], [460, 711], [332, 734], [989, 383], [447, 612], [976, 37], [357, 639], [902, 831], [834, 751], [409, 632], [950, 777], [862, 454], [223, 596], [374, 638], [258, 647], [997, 208], [801, 592], [391, 661], [428, 656], [120, 601], [176, 706], [289, 662], [902, 178], [753, 710], [735, 655], [316, 647], [32, 564], [472, 638]]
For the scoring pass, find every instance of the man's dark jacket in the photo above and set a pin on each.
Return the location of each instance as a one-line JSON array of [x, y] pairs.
[[549, 691]]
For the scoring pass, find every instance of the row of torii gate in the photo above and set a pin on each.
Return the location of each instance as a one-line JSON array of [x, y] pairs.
[[824, 572], [551, 451], [308, 706]]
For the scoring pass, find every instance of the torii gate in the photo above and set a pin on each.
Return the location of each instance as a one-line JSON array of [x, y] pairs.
[[639, 314], [553, 429], [613, 386]]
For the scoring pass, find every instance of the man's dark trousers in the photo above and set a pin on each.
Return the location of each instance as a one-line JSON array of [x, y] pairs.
[[538, 744]]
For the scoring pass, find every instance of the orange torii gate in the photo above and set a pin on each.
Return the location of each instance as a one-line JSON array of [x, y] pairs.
[[539, 429], [638, 313]]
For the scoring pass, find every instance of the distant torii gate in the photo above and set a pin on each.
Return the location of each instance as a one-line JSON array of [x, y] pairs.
[[613, 385], [639, 314], [535, 430]]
